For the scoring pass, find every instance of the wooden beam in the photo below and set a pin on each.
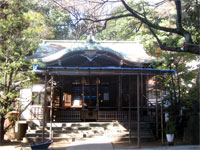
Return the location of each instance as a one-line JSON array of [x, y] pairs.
[[51, 108], [97, 100], [101, 72], [141, 94], [162, 134], [83, 90], [44, 108], [138, 111], [129, 102], [119, 92], [156, 112]]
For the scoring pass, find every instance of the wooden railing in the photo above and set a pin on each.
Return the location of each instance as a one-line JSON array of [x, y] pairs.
[[116, 115], [61, 116], [36, 112], [78, 115]]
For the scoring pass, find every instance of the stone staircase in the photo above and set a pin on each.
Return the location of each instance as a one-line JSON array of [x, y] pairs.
[[145, 130], [77, 131]]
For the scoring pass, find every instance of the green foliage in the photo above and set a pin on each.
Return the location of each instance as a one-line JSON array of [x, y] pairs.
[[181, 86], [123, 28], [58, 22], [191, 17], [20, 33], [119, 30], [170, 127]]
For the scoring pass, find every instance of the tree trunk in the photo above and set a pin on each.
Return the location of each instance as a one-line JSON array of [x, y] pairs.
[[2, 119], [198, 85]]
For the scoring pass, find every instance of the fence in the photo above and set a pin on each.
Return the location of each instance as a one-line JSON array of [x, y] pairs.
[[61, 115], [36, 112], [116, 115]]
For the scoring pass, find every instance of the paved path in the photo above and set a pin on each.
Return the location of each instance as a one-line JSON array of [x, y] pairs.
[[108, 146], [104, 145], [180, 147], [96, 143]]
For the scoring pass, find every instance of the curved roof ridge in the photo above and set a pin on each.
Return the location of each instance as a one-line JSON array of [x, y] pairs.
[[51, 50]]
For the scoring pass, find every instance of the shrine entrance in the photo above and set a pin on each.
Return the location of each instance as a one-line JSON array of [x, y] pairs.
[[84, 97], [92, 93]]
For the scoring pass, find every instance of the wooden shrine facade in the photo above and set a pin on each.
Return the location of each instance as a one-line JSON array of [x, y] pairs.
[[94, 81], [96, 94]]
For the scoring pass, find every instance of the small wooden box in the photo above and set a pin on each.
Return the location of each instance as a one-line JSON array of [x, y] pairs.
[[67, 98]]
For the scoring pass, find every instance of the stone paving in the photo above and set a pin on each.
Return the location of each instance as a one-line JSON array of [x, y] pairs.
[[99, 144], [180, 147]]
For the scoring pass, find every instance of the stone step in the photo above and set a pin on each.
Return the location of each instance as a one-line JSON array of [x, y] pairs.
[[55, 139], [77, 133], [64, 135], [81, 124], [84, 126], [74, 131], [81, 130]]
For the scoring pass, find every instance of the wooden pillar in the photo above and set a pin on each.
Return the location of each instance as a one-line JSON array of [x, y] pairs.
[[51, 108], [156, 112], [162, 134], [141, 95], [44, 108], [138, 111], [97, 101], [147, 91], [129, 110], [119, 93], [83, 90]]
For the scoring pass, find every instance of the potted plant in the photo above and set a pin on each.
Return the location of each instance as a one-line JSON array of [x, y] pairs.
[[170, 130], [170, 118]]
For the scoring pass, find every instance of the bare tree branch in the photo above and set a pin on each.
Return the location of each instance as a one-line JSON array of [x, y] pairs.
[[92, 15], [164, 46], [147, 22], [179, 14]]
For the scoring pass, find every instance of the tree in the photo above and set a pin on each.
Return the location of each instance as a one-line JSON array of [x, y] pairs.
[[182, 89], [59, 23], [80, 28], [20, 33], [178, 26]]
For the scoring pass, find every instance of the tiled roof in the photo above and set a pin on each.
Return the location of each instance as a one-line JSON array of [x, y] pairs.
[[51, 50]]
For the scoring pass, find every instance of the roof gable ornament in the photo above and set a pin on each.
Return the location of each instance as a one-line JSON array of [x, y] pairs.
[[90, 39], [91, 42]]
